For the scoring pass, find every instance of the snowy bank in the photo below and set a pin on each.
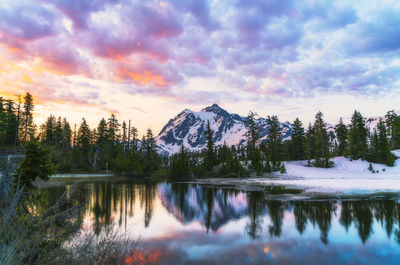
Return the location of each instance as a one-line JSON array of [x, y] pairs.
[[348, 177]]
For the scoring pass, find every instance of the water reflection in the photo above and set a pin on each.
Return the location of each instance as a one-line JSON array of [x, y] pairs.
[[215, 218], [113, 203]]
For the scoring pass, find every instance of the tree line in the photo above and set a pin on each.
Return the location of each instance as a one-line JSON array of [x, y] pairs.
[[115, 146], [16, 121]]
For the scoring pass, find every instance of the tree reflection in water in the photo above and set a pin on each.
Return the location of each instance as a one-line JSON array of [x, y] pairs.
[[113, 204]]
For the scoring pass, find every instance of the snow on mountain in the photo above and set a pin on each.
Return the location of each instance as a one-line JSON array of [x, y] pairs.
[[188, 128], [372, 122]]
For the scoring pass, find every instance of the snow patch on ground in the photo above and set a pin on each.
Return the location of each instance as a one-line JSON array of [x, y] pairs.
[[347, 177]]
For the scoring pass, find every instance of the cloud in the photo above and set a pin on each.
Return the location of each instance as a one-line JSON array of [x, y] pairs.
[[80, 11], [147, 73], [202, 51], [25, 21], [382, 35], [136, 28]]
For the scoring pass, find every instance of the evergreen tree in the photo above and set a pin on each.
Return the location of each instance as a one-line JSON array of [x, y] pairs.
[[309, 143], [151, 162], [380, 146], [27, 117], [393, 123], [49, 131], [342, 135], [83, 144], [253, 136], [274, 144], [18, 123], [358, 134], [298, 141], [180, 165], [36, 164], [58, 133], [3, 123], [134, 165], [67, 134], [113, 129], [209, 158], [124, 132], [102, 133], [11, 123], [321, 141], [253, 130]]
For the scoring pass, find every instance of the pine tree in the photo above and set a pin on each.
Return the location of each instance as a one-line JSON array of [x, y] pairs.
[[49, 131], [83, 142], [321, 141], [11, 123], [342, 134], [180, 165], [274, 143], [67, 134], [209, 158], [151, 156], [3, 123], [18, 124], [393, 123], [58, 133], [37, 163], [253, 136], [298, 141], [27, 117], [380, 146], [253, 130], [358, 134], [113, 129], [309, 143], [124, 131]]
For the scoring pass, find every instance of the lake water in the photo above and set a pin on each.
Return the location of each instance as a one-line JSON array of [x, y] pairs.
[[182, 223]]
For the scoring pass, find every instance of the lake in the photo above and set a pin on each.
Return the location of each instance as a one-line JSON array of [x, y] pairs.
[[181, 223]]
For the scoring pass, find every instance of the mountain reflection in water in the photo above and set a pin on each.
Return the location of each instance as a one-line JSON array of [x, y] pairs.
[[188, 223]]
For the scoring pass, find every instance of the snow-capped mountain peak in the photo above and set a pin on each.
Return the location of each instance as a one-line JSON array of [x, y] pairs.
[[188, 128]]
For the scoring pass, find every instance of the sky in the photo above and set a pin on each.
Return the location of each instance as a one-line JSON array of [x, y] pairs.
[[148, 60]]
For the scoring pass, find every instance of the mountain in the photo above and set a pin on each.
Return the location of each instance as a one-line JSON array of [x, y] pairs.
[[372, 122], [188, 128]]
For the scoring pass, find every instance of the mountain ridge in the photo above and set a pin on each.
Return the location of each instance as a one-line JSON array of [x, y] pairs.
[[188, 128]]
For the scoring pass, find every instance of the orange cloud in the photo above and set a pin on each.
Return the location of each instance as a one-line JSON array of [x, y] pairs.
[[142, 78]]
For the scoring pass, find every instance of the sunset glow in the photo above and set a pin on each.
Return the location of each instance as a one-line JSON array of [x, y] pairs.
[[148, 60]]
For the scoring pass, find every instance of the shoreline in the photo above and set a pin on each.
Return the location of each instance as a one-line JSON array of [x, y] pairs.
[[59, 180]]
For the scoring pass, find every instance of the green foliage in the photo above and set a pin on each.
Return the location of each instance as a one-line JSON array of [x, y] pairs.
[[379, 151], [283, 169], [309, 144], [115, 147], [321, 142], [274, 140], [393, 124], [27, 118], [179, 168], [298, 141], [8, 123], [358, 134], [342, 137], [37, 163], [370, 168], [209, 160]]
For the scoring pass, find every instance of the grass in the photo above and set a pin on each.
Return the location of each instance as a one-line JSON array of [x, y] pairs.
[[33, 232]]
